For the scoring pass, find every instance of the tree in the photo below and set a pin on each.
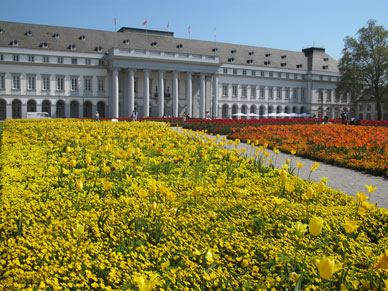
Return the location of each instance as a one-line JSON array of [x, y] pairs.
[[364, 66]]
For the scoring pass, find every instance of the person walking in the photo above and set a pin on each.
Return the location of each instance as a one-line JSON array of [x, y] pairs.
[[134, 115], [97, 116]]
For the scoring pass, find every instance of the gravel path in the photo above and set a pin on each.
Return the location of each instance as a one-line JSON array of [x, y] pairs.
[[342, 179]]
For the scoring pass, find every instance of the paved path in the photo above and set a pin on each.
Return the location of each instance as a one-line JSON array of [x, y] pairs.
[[346, 180]]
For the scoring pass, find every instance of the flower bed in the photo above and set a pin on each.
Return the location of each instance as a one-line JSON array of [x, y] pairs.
[[135, 206], [358, 147]]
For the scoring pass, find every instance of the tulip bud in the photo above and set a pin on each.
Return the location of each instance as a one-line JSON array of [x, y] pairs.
[[315, 226]]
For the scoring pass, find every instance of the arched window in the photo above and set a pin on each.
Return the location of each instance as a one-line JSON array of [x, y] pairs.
[[244, 110], [225, 111], [46, 107], [234, 111], [31, 106], [16, 109], [74, 109], [60, 112], [3, 109], [88, 109], [101, 108]]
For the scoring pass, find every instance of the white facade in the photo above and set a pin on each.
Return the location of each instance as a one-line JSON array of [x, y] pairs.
[[160, 80]]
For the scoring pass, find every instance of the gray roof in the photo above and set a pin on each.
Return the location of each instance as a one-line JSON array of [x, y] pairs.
[[142, 39]]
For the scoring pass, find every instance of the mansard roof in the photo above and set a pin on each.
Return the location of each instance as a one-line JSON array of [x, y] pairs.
[[56, 38]]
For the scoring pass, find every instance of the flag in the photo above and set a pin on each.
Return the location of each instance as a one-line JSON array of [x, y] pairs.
[[189, 28], [115, 20], [144, 23], [168, 26]]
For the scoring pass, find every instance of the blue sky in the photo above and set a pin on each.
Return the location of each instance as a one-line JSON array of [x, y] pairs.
[[282, 24]]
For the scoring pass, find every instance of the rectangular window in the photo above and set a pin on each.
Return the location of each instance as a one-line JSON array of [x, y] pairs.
[[320, 95], [60, 60], [287, 75], [135, 84], [46, 83], [74, 83], [295, 94], [15, 58], [46, 59], [234, 72], [73, 61], [244, 91], [224, 90], [295, 76], [234, 91], [31, 58], [360, 116], [279, 75], [100, 63], [253, 73], [101, 85], [87, 61], [368, 116], [279, 93], [60, 83], [253, 91], [270, 93], [244, 72], [302, 93], [262, 73], [344, 98], [328, 97], [262, 92], [2, 82], [225, 70], [31, 83], [16, 82], [361, 108], [369, 107], [287, 94], [1, 57], [270, 74], [88, 84]]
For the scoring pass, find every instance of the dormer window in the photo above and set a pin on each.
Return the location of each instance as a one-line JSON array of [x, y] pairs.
[[325, 67], [154, 43], [233, 51], [267, 55], [44, 45], [251, 53], [179, 46], [215, 49], [249, 61], [126, 41], [283, 64], [326, 59], [99, 49], [284, 56], [72, 47], [82, 37], [14, 43], [56, 35], [299, 66], [28, 33], [231, 60], [267, 63]]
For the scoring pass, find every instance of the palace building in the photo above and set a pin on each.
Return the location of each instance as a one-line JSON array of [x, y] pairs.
[[74, 72]]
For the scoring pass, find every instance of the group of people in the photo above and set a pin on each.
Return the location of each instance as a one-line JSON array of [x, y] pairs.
[[133, 115]]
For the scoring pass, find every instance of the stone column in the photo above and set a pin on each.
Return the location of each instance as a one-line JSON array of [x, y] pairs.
[[53, 109], [189, 94], [202, 96], [9, 111], [161, 94], [215, 97], [81, 108], [146, 101], [131, 91], [115, 97], [175, 93]]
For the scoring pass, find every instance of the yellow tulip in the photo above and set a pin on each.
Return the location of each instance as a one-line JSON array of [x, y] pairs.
[[79, 185], [309, 193], [300, 228], [79, 230], [293, 152], [283, 175], [370, 188], [327, 268], [299, 165], [383, 261], [350, 226], [146, 284], [315, 166], [142, 193], [288, 161], [315, 226], [361, 197]]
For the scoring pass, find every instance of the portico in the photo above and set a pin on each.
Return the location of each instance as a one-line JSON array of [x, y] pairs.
[[145, 80]]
